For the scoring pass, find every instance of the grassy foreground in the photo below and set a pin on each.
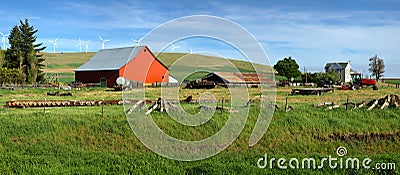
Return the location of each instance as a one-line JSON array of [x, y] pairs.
[[81, 140]]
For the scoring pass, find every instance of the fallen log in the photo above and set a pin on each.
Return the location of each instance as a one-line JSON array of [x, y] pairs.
[[396, 100], [374, 103], [139, 104], [332, 107], [359, 105], [151, 109], [323, 104], [154, 106], [385, 105], [289, 108], [352, 104]]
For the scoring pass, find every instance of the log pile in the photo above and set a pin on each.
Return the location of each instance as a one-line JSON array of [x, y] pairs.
[[392, 100], [386, 102], [59, 103], [161, 105]]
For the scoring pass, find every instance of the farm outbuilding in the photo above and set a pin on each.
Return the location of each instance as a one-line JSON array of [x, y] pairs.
[[237, 78], [133, 63]]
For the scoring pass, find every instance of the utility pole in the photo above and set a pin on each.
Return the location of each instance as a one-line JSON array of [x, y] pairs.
[[305, 73]]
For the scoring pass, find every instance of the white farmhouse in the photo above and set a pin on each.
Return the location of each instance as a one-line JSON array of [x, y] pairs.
[[344, 70]]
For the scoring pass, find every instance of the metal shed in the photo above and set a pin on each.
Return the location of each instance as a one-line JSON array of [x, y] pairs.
[[237, 78]]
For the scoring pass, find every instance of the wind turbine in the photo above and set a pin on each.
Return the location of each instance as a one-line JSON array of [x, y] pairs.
[[80, 43], [54, 44], [173, 47], [86, 45], [3, 40], [135, 41], [102, 41], [190, 51]]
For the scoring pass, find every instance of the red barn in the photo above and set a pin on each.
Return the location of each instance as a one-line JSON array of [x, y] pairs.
[[133, 63]]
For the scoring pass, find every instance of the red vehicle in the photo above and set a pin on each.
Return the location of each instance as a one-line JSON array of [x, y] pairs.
[[359, 83], [368, 82]]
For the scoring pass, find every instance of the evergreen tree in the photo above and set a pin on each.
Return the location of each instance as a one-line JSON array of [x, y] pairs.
[[33, 57], [13, 54], [24, 54], [2, 57]]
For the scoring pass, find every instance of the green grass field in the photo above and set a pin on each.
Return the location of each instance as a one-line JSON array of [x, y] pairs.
[[79, 140], [392, 81]]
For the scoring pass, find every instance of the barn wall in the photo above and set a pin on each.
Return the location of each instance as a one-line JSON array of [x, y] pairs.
[[95, 76], [145, 68], [157, 73]]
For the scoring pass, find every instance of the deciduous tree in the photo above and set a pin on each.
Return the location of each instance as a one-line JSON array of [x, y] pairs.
[[288, 68], [376, 67]]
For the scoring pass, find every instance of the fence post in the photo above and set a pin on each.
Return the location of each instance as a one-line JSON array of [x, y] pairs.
[[222, 104], [102, 108], [286, 105]]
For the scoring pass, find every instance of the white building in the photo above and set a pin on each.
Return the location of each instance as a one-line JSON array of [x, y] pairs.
[[343, 69]]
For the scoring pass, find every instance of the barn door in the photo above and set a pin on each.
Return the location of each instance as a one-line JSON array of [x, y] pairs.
[[103, 82]]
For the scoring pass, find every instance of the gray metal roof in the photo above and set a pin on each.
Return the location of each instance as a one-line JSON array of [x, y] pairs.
[[341, 65], [111, 59]]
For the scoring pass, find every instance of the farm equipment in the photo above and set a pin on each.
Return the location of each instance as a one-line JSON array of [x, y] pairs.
[[359, 83], [200, 84], [123, 83], [309, 91]]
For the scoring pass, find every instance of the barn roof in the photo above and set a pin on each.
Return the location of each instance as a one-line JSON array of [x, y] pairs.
[[240, 78], [111, 59]]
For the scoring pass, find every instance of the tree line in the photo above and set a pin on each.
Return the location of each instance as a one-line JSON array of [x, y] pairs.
[[22, 63]]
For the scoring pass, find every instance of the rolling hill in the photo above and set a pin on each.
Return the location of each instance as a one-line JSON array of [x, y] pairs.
[[65, 63]]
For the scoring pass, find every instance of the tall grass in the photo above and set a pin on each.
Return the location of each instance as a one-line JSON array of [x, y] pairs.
[[80, 140]]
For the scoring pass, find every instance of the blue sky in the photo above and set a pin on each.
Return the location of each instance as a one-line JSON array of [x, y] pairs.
[[312, 32]]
